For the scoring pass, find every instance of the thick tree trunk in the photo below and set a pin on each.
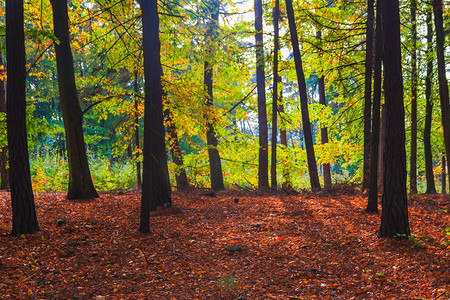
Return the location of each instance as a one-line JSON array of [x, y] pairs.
[[394, 217], [312, 166], [372, 203], [22, 200], [368, 92], [156, 190], [175, 150], [428, 154], [4, 170], [273, 170], [413, 154], [443, 83], [80, 180], [263, 170], [215, 164]]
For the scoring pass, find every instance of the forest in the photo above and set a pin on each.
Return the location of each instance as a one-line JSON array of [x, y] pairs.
[[219, 149]]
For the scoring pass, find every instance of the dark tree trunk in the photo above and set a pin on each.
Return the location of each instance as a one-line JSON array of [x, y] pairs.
[[80, 180], [394, 216], [443, 83], [368, 92], [136, 131], [215, 164], [312, 166], [22, 200], [155, 185], [273, 170], [175, 150], [4, 170], [381, 148], [324, 130], [428, 154], [263, 170], [372, 203], [413, 156]]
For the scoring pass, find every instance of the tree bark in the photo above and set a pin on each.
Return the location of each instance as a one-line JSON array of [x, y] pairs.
[[215, 164], [428, 154], [372, 203], [22, 200], [4, 170], [368, 92], [311, 158], [263, 169], [413, 154], [273, 171], [156, 190], [443, 83], [175, 150], [80, 180], [394, 217]]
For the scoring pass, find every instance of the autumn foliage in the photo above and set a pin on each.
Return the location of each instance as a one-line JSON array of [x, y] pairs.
[[233, 245]]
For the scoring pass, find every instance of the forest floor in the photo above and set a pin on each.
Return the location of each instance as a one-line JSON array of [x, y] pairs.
[[235, 245]]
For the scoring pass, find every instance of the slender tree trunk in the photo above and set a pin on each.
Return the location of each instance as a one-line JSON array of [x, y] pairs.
[[368, 92], [372, 203], [312, 166], [443, 175], [324, 130], [413, 156], [4, 170], [136, 131], [175, 150], [22, 200], [428, 154], [283, 141], [215, 164], [156, 190], [80, 180], [263, 170], [394, 217], [443, 83], [273, 171]]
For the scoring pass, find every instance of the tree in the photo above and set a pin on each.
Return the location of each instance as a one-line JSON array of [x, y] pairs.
[[312, 166], [211, 138], [273, 170], [394, 216], [443, 83], [263, 177], [413, 154], [368, 92], [80, 180], [431, 188], [22, 200], [137, 140], [4, 170], [372, 203], [155, 184]]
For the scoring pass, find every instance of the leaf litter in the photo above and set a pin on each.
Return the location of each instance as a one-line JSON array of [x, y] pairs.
[[235, 245]]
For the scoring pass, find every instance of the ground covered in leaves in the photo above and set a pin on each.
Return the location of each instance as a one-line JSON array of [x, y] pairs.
[[233, 245]]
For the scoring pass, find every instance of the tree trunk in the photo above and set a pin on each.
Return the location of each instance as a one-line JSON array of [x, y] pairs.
[[443, 84], [368, 92], [443, 175], [413, 156], [80, 180], [372, 203], [394, 217], [4, 170], [283, 141], [263, 170], [381, 148], [273, 171], [156, 190], [312, 166], [215, 164], [175, 150], [324, 130], [136, 132], [22, 200], [428, 154]]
